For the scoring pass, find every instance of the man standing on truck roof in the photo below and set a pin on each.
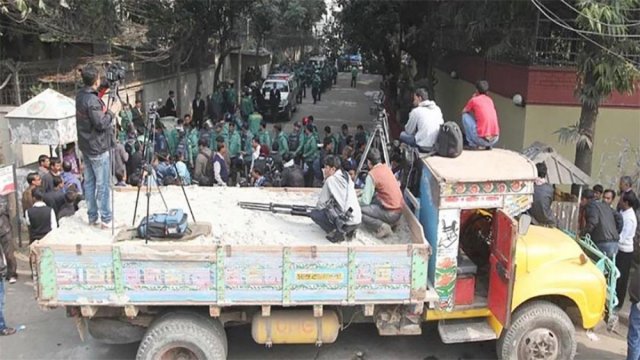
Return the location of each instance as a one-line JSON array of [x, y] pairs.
[[381, 199], [338, 212], [480, 119], [542, 198], [599, 224], [94, 124]]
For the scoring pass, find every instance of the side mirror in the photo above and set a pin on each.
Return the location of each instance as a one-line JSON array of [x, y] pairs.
[[523, 224]]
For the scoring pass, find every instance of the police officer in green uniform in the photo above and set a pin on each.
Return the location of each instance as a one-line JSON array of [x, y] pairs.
[[316, 87], [263, 135], [246, 105], [309, 154], [281, 140]]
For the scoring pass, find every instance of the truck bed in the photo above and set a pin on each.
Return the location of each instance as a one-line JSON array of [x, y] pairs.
[[249, 259]]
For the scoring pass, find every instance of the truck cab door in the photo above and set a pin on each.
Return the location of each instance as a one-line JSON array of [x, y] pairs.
[[502, 262]]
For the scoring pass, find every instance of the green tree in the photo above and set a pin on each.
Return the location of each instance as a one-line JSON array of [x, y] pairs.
[[603, 67]]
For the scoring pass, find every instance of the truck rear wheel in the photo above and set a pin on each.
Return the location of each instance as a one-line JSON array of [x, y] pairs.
[[539, 330], [184, 335]]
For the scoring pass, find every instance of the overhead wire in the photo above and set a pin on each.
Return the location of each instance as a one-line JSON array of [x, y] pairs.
[[597, 20], [559, 22]]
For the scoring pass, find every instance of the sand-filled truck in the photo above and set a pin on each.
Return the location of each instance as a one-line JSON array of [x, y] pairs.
[[464, 255]]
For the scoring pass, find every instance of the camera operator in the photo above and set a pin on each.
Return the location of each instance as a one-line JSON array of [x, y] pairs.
[[95, 127]]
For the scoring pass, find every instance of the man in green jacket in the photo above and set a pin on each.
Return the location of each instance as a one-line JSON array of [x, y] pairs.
[[235, 143], [281, 140], [255, 119], [263, 135], [126, 118], [354, 76], [246, 106], [309, 153], [316, 84]]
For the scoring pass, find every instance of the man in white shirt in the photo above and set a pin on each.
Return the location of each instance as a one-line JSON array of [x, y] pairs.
[[40, 218], [624, 258], [424, 122]]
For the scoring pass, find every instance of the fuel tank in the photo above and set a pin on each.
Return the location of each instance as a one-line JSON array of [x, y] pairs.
[[295, 327]]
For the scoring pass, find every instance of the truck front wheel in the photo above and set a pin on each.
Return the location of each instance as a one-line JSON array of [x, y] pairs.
[[184, 335], [539, 330]]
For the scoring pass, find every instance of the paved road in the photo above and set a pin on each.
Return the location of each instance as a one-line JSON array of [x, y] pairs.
[[341, 105], [49, 335]]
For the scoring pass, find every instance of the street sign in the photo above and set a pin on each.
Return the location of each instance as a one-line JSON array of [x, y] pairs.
[[7, 184]]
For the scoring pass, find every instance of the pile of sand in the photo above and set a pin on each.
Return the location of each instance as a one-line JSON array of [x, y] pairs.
[[230, 224]]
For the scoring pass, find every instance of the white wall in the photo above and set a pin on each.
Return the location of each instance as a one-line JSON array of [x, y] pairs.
[[152, 90]]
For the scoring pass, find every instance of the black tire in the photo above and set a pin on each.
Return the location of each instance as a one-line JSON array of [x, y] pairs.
[[542, 321], [191, 333]]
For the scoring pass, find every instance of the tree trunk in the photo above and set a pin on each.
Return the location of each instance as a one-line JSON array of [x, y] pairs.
[[178, 60], [223, 56], [587, 128]]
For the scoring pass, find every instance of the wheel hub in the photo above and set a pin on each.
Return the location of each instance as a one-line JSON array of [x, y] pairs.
[[539, 344], [178, 353]]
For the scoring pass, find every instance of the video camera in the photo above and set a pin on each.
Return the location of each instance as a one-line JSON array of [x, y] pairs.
[[114, 72]]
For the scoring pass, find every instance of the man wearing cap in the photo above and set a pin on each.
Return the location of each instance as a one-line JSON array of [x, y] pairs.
[[381, 199]]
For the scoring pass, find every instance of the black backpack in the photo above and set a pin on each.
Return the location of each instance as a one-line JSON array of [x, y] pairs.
[[449, 141], [169, 225]]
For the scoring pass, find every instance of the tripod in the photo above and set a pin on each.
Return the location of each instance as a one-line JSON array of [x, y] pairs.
[[147, 171], [379, 139]]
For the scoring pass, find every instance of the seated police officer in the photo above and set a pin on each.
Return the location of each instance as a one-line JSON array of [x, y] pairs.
[[338, 212], [381, 197]]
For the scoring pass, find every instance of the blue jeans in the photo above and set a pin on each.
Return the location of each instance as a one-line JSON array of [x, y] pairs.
[[471, 132], [408, 139], [97, 175], [2, 324], [609, 248], [633, 338]]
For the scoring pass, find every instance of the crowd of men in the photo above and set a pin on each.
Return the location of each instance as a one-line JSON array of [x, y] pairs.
[[613, 228]]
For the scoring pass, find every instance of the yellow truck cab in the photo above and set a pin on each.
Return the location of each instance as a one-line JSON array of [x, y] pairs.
[[497, 277]]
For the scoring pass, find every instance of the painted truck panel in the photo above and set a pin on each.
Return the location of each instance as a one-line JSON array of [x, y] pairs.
[[158, 274]]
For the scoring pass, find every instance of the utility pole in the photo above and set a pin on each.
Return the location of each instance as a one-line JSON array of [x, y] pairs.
[[242, 46]]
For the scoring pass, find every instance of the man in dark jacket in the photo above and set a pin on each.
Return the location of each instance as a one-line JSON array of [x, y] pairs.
[[198, 107], [6, 243], [542, 198], [600, 224], [4, 330], [94, 124], [55, 198], [40, 218], [633, 337]]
